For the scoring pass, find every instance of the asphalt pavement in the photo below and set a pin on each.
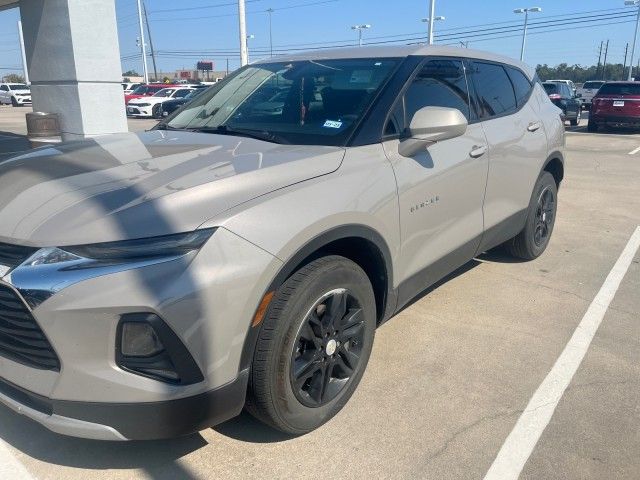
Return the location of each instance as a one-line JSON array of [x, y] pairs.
[[451, 375]]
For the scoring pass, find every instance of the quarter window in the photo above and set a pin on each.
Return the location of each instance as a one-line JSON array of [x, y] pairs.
[[521, 85], [440, 83], [494, 89]]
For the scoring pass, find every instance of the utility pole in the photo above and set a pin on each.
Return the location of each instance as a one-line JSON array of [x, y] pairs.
[[624, 64], [153, 52], [599, 58], [635, 3], [242, 19], [270, 12], [227, 74], [431, 18], [142, 44], [604, 65], [25, 70]]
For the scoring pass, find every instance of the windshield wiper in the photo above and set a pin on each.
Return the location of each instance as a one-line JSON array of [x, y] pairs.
[[241, 132], [166, 126]]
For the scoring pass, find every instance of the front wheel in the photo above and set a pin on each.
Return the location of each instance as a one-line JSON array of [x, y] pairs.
[[156, 111], [541, 215], [313, 346], [14, 102]]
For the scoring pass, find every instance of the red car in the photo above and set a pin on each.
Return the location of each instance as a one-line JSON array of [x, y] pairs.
[[616, 104], [147, 90]]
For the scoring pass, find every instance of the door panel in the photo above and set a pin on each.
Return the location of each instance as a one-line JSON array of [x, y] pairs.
[[517, 150], [441, 192]]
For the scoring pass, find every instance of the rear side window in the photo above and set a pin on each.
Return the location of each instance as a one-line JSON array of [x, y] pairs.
[[440, 83], [494, 90], [521, 85]]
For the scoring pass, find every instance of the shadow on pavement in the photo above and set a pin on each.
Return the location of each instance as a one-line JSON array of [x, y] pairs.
[[12, 143], [245, 428], [158, 459]]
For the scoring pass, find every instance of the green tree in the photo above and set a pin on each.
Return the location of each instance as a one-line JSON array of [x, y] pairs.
[[130, 73], [14, 78], [581, 74]]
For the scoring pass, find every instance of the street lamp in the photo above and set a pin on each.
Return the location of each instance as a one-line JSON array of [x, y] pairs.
[[249, 37], [270, 12], [526, 20], [430, 27], [360, 28], [633, 3]]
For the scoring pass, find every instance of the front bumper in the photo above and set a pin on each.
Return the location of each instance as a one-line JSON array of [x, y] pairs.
[[136, 111], [129, 421], [208, 301], [23, 100]]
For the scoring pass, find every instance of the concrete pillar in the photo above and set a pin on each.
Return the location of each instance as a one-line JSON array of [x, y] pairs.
[[73, 58]]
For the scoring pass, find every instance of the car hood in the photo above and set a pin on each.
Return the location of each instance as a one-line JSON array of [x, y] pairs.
[[127, 186]]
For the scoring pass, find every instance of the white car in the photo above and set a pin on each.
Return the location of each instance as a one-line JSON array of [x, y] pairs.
[[150, 106], [129, 87], [16, 94]]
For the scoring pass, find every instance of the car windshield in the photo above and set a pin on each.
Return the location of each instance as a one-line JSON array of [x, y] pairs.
[[19, 86], [303, 102], [620, 89], [144, 89], [165, 92], [592, 84], [551, 88]]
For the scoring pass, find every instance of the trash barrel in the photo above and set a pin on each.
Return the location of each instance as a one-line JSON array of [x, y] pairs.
[[43, 128]]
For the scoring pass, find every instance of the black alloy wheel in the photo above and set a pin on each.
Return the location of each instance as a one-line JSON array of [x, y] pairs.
[[545, 212], [328, 348]]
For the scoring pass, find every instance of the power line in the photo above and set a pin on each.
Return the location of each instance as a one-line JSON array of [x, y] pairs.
[[183, 9]]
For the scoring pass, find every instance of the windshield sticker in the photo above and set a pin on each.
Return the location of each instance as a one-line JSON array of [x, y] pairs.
[[332, 124]]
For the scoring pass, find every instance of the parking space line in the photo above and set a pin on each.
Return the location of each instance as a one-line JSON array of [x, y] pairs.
[[634, 151], [10, 467], [520, 443]]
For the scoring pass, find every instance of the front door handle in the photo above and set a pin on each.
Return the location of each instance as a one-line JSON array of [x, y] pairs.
[[478, 151], [533, 126]]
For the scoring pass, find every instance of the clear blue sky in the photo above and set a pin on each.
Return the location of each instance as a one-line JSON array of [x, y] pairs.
[[212, 32]]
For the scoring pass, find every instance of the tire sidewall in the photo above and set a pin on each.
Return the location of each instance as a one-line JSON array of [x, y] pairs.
[[545, 180], [341, 273]]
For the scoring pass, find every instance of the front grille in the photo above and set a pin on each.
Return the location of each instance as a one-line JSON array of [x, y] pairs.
[[13, 255], [21, 339]]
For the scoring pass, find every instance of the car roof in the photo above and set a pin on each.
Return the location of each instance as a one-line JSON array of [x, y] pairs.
[[398, 51]]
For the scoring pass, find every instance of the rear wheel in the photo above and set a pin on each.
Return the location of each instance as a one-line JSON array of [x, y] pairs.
[[313, 346], [575, 121], [541, 215]]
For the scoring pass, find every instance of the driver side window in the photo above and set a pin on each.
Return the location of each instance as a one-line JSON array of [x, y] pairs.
[[440, 83]]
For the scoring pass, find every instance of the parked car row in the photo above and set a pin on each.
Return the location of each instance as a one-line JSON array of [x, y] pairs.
[[147, 99]]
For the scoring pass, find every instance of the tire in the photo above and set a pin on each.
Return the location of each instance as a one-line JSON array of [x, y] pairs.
[[293, 337], [156, 111], [575, 121], [592, 126], [14, 102], [541, 215]]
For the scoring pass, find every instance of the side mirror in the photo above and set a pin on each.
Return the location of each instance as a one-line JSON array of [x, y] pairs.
[[430, 125]]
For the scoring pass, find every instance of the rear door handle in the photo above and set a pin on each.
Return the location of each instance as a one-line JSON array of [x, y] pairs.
[[478, 151], [533, 126]]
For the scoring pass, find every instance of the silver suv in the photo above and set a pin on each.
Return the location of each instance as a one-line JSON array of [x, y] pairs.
[[243, 252]]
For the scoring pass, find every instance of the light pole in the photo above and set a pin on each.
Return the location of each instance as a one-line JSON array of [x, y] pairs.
[[249, 37], [242, 20], [432, 17], [634, 3], [360, 28], [143, 45], [25, 70], [430, 26], [270, 12], [526, 20]]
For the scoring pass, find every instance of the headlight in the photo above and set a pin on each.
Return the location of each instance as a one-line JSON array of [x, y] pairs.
[[126, 250]]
